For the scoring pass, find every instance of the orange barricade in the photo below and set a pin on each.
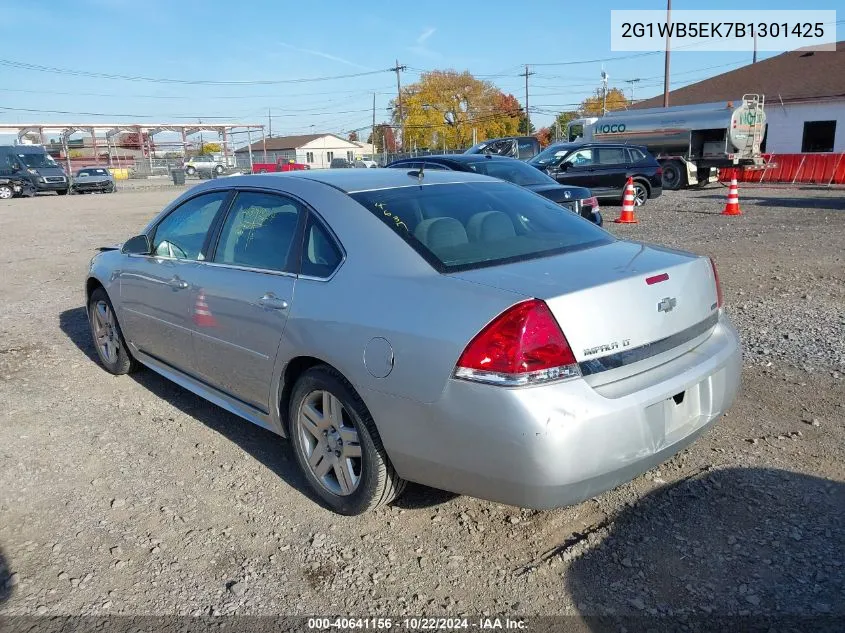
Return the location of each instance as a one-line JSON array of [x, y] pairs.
[[818, 169]]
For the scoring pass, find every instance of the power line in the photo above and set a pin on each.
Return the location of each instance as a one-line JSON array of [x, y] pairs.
[[190, 82]]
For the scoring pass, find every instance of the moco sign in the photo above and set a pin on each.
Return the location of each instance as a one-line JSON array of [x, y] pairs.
[[609, 128]]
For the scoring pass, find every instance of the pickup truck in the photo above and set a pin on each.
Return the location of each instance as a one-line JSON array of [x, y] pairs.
[[280, 165]]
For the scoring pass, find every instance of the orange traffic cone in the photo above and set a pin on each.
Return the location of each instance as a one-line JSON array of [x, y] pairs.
[[202, 313], [627, 216], [732, 205]]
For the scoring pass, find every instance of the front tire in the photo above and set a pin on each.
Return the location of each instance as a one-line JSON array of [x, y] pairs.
[[337, 445], [219, 169], [62, 192], [108, 338], [6, 192], [190, 171]]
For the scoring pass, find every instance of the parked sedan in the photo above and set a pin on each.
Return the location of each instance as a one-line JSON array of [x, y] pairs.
[[444, 328], [604, 168], [577, 199], [93, 179]]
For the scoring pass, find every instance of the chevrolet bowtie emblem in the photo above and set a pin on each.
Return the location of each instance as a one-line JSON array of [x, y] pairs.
[[667, 304]]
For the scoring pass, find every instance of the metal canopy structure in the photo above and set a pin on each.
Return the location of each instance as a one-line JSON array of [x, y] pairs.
[[110, 130]]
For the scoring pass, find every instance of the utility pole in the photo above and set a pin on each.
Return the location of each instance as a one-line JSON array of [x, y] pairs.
[[373, 134], [527, 74], [603, 92], [269, 123], [666, 63], [397, 69], [754, 59], [632, 82]]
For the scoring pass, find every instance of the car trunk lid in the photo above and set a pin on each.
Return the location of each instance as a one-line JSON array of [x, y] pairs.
[[614, 298]]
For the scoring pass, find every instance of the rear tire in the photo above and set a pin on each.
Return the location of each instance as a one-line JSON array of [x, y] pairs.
[[672, 176], [108, 338], [219, 169], [190, 171], [62, 192], [640, 193], [337, 445]]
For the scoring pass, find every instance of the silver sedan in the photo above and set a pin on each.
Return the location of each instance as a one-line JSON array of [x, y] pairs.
[[443, 328]]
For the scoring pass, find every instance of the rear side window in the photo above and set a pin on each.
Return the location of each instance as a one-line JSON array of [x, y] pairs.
[[636, 155], [610, 156], [259, 232], [182, 233], [320, 254], [459, 226]]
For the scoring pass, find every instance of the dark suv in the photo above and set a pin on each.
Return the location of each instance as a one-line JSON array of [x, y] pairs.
[[604, 168], [577, 199]]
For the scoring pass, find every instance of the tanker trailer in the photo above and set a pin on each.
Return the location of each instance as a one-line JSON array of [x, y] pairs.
[[690, 142]]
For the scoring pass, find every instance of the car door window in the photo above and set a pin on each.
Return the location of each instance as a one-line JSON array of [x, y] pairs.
[[320, 254], [259, 231], [430, 165], [580, 158], [635, 155], [610, 156], [182, 233]]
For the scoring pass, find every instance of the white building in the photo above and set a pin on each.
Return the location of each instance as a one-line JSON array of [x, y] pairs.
[[804, 92], [315, 150]]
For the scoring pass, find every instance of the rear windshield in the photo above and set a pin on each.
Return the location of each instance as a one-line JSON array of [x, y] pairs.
[[459, 226], [511, 170]]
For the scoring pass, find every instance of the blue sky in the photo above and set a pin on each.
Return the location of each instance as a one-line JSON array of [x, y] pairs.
[[260, 40]]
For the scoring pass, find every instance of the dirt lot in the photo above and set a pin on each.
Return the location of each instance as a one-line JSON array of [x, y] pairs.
[[130, 495]]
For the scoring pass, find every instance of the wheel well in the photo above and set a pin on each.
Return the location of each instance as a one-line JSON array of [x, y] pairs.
[[294, 369], [91, 285]]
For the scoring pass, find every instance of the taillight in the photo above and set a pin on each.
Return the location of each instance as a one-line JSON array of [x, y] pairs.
[[524, 345], [720, 299], [592, 201], [659, 171]]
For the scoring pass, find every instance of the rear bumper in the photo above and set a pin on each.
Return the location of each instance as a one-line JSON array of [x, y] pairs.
[[559, 444]]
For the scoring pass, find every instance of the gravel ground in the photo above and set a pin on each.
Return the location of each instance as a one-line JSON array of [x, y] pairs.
[[131, 496]]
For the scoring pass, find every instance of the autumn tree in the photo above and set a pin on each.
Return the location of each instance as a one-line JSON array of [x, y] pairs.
[[558, 126], [384, 137], [444, 107], [592, 105], [211, 148], [353, 136], [544, 136]]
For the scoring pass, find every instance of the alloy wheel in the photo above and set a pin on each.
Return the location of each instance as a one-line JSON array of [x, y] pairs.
[[105, 332], [330, 442], [6, 192], [640, 195]]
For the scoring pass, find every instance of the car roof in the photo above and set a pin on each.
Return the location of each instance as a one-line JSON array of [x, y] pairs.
[[352, 180], [458, 158]]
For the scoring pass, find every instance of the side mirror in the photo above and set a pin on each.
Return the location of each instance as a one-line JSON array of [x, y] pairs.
[[563, 166], [138, 245]]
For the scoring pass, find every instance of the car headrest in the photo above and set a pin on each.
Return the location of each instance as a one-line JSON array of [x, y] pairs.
[[490, 226], [437, 233]]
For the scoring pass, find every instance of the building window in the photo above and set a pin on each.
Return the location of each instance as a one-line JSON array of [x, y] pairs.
[[309, 157], [329, 156], [818, 136], [350, 156]]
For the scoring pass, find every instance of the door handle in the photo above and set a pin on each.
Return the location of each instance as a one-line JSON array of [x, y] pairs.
[[272, 302], [178, 284]]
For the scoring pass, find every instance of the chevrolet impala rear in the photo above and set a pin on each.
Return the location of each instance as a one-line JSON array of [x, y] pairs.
[[611, 357]]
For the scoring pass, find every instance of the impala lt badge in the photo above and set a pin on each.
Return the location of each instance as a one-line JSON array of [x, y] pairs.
[[667, 304]]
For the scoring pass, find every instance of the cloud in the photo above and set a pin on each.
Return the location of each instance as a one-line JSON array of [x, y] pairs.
[[425, 35], [333, 58], [421, 49]]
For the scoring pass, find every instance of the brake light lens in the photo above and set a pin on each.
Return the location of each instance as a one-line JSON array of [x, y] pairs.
[[659, 171], [522, 346], [592, 201], [720, 299]]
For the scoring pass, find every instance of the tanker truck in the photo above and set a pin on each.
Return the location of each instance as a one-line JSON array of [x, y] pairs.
[[689, 142]]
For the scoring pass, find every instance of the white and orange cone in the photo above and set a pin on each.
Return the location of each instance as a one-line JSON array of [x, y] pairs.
[[202, 313], [627, 216], [732, 205]]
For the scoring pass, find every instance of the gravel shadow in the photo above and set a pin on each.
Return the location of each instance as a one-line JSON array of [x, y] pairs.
[[7, 584], [738, 542], [268, 448], [828, 203]]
